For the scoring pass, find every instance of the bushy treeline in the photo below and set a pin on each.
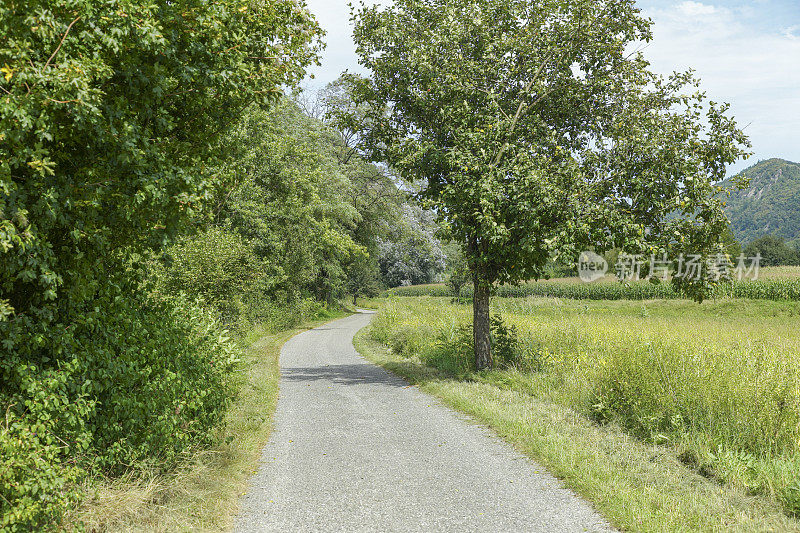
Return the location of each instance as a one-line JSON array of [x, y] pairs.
[[295, 225], [114, 121], [774, 251]]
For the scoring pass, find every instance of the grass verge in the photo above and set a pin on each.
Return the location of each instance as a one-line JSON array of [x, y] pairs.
[[369, 303], [203, 493], [638, 487]]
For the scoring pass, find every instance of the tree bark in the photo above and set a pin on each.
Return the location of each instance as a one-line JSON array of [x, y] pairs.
[[480, 322]]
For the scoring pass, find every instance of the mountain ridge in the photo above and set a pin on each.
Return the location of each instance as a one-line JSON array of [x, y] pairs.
[[769, 204]]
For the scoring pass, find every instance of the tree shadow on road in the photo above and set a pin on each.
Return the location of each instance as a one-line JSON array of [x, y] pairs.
[[345, 374]]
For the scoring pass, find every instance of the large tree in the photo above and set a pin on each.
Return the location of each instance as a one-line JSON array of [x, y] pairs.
[[535, 131], [109, 116]]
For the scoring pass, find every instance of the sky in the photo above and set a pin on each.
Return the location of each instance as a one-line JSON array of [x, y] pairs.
[[746, 52]]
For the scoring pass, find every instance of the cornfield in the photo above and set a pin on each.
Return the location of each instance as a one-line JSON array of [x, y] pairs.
[[769, 289]]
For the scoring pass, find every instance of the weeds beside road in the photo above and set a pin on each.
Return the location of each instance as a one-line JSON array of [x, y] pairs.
[[203, 494], [706, 398]]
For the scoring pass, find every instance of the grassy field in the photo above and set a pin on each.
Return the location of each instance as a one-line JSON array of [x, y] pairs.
[[203, 494], [710, 392]]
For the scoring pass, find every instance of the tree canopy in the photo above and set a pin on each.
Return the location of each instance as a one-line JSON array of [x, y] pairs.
[[109, 112], [773, 251], [537, 131]]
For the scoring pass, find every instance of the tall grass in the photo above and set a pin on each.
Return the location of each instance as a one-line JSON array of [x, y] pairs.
[[719, 381]]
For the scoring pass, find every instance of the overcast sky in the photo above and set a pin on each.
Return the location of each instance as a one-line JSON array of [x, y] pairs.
[[747, 53]]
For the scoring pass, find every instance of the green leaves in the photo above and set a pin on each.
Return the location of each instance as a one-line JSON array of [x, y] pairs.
[[110, 117], [291, 201], [110, 111], [538, 134]]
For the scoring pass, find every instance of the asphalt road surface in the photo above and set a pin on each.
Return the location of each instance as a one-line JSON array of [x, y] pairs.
[[355, 448]]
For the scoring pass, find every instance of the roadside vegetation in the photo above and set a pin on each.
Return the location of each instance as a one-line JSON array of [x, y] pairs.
[[113, 117], [172, 209], [202, 493], [713, 385], [162, 201]]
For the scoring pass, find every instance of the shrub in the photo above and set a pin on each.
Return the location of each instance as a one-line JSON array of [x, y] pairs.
[[37, 482], [218, 266], [139, 381], [452, 350]]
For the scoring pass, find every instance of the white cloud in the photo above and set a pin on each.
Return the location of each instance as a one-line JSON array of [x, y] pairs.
[[755, 70], [339, 55], [696, 9]]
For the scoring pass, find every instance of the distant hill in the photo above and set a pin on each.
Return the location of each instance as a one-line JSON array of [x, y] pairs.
[[769, 205]]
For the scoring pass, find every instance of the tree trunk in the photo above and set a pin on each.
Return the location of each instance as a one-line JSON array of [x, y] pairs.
[[480, 323], [355, 298]]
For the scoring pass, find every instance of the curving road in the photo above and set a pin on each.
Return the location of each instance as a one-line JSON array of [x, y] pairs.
[[356, 449]]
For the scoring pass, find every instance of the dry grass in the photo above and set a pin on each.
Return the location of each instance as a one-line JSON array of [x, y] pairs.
[[780, 272]]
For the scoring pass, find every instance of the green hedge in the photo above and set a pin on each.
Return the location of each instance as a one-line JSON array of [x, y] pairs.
[[139, 382]]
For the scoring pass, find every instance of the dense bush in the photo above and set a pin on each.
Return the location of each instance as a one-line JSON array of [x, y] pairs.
[[138, 381], [218, 266], [37, 481]]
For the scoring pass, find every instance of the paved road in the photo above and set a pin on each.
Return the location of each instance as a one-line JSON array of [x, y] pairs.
[[356, 449]]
